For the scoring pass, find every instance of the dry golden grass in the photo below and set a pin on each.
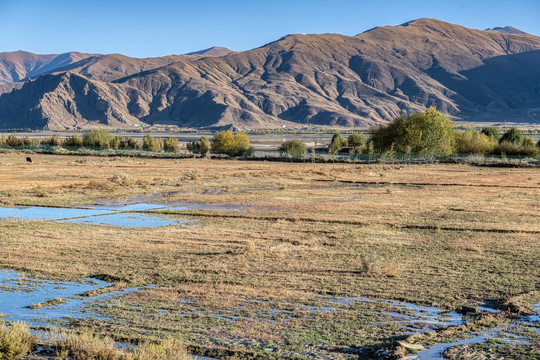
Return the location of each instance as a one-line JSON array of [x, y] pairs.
[[434, 234]]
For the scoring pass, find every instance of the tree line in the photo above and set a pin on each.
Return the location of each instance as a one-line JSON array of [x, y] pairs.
[[223, 142], [424, 133], [428, 133]]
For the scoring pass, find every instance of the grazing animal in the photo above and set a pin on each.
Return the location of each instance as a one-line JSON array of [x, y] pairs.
[[28, 159]]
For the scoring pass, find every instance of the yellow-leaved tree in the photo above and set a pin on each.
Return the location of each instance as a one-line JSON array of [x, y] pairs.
[[229, 143]]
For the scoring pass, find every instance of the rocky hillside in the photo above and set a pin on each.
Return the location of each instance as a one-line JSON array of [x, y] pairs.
[[324, 80], [18, 65]]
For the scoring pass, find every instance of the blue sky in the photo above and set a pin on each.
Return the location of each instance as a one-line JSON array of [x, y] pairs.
[[162, 27]]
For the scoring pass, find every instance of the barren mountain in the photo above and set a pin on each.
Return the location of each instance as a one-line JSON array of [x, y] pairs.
[[506, 30], [115, 66], [18, 65], [324, 80], [213, 51]]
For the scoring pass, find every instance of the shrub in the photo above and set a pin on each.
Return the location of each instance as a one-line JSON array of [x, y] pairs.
[[171, 144], [527, 141], [13, 141], [129, 143], [15, 341], [116, 142], [73, 141], [356, 140], [491, 131], [53, 140], [170, 349], [243, 145], [201, 147], [356, 143], [429, 132], [510, 148], [473, 142], [514, 136], [337, 143], [152, 144], [87, 346], [226, 142], [3, 140], [122, 179], [98, 139], [293, 148]]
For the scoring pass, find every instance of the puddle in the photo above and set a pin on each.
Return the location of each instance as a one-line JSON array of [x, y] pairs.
[[47, 213], [504, 335], [129, 220], [430, 318], [435, 352], [130, 214], [410, 313], [18, 293]]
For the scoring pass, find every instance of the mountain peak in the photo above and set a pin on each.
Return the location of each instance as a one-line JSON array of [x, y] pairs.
[[506, 30], [213, 51]]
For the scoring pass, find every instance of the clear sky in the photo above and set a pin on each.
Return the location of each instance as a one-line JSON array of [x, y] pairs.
[[162, 27]]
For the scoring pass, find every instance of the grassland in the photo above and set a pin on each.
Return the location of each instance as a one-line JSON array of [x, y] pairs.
[[272, 280]]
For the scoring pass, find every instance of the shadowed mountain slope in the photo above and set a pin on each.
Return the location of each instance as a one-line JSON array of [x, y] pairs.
[[323, 80]]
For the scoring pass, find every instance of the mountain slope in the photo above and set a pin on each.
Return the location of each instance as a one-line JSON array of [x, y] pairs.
[[18, 65], [324, 80], [213, 51]]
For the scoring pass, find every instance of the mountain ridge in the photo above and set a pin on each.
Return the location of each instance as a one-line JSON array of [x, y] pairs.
[[326, 80]]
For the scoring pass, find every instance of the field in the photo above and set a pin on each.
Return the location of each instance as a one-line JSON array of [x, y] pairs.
[[299, 260]]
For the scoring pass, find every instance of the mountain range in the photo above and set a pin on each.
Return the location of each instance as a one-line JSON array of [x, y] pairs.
[[324, 80]]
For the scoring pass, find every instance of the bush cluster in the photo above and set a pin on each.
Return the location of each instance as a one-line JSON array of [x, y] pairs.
[[429, 132], [488, 141], [97, 139], [232, 144], [201, 147], [293, 148]]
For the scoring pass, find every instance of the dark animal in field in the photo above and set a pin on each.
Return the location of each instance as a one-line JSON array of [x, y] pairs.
[[28, 159]]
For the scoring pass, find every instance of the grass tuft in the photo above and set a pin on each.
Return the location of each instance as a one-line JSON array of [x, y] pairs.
[[15, 341]]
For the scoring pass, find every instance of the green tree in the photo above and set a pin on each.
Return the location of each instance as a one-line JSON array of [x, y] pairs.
[[98, 139], [491, 131], [26, 141], [513, 135], [356, 143], [428, 132], [370, 148], [13, 141], [356, 140], [201, 147], [171, 144], [473, 142], [116, 142], [336, 144], [73, 141], [129, 143], [205, 146], [53, 140], [151, 143], [293, 148]]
